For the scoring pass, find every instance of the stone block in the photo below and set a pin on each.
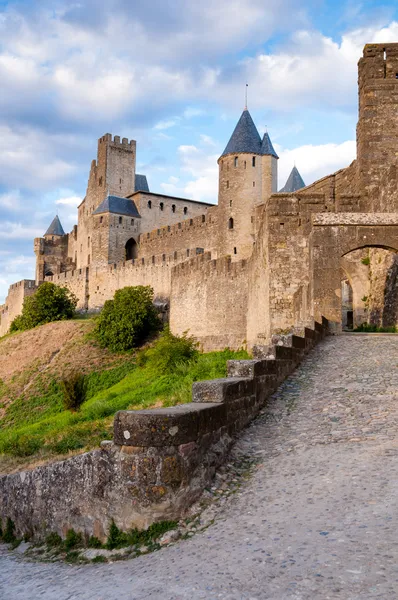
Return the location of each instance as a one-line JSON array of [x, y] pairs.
[[172, 471], [222, 390], [167, 426], [250, 368]]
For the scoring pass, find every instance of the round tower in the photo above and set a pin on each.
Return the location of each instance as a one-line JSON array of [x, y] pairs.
[[247, 177]]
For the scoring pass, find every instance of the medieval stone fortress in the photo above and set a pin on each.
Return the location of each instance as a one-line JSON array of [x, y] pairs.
[[259, 263], [298, 503]]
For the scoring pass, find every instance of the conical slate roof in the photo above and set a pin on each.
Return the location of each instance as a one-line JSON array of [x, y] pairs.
[[55, 227], [294, 182], [245, 137], [267, 147]]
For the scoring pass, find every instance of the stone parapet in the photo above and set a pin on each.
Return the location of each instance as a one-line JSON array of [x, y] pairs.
[[160, 460]]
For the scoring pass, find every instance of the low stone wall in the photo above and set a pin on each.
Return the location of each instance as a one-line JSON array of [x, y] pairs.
[[159, 461]]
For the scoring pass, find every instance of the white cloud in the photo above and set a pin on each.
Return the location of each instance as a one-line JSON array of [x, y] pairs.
[[28, 158], [199, 173], [310, 70], [18, 231], [11, 200], [191, 112], [165, 124], [70, 201], [315, 161]]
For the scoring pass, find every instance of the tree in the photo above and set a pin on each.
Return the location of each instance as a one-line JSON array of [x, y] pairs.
[[49, 303], [128, 319]]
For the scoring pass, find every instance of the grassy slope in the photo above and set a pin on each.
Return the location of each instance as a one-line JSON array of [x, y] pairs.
[[36, 427]]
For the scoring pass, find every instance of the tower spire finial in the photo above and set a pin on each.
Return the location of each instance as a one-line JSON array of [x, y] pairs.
[[247, 85]]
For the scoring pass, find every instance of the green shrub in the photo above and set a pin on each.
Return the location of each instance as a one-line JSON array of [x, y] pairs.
[[73, 540], [66, 444], [116, 538], [99, 559], [127, 320], [21, 445], [74, 389], [9, 532], [94, 542], [365, 261], [135, 537], [49, 303], [168, 352], [369, 328], [53, 540]]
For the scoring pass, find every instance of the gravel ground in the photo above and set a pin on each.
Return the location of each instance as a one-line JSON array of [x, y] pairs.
[[317, 519]]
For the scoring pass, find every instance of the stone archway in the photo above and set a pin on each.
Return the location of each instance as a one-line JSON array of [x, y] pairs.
[[334, 236], [131, 249]]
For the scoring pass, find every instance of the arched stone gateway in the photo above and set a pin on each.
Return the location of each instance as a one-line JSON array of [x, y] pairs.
[[334, 237], [131, 249], [308, 255]]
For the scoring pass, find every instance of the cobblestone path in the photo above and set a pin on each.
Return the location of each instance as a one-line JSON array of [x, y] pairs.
[[317, 520]]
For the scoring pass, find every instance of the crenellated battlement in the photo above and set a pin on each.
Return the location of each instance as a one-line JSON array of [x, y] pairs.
[[380, 50], [115, 141], [210, 266], [180, 228]]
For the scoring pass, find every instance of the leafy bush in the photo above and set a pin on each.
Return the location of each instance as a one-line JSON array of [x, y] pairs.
[[366, 260], [49, 303], [135, 537], [369, 328], [53, 540], [74, 389], [9, 532], [22, 445], [73, 539], [128, 319], [94, 542], [169, 351]]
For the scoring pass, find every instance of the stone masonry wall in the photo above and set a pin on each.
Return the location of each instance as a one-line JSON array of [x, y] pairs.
[[106, 280], [197, 232], [158, 210], [209, 299], [159, 461], [77, 282], [14, 302]]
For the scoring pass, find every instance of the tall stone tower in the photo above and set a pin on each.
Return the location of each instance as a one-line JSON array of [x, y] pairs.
[[377, 130], [113, 172], [51, 251], [247, 177]]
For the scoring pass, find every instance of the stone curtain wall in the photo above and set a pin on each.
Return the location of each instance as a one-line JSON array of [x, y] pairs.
[[159, 461], [106, 280], [209, 299], [76, 281], [197, 232], [14, 302]]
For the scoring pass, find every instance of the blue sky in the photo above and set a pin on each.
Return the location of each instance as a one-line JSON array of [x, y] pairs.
[[170, 74]]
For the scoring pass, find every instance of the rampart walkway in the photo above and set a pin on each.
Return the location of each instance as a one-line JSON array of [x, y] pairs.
[[318, 519]]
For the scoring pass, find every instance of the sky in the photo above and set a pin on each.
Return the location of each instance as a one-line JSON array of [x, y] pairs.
[[170, 74]]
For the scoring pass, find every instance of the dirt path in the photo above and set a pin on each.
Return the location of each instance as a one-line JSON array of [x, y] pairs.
[[317, 520]]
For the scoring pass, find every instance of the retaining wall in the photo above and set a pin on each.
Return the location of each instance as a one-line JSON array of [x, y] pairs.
[[160, 460]]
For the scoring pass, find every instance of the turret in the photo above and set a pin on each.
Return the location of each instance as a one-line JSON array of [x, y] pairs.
[[51, 251], [294, 182], [55, 229], [247, 177], [269, 167], [377, 130]]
